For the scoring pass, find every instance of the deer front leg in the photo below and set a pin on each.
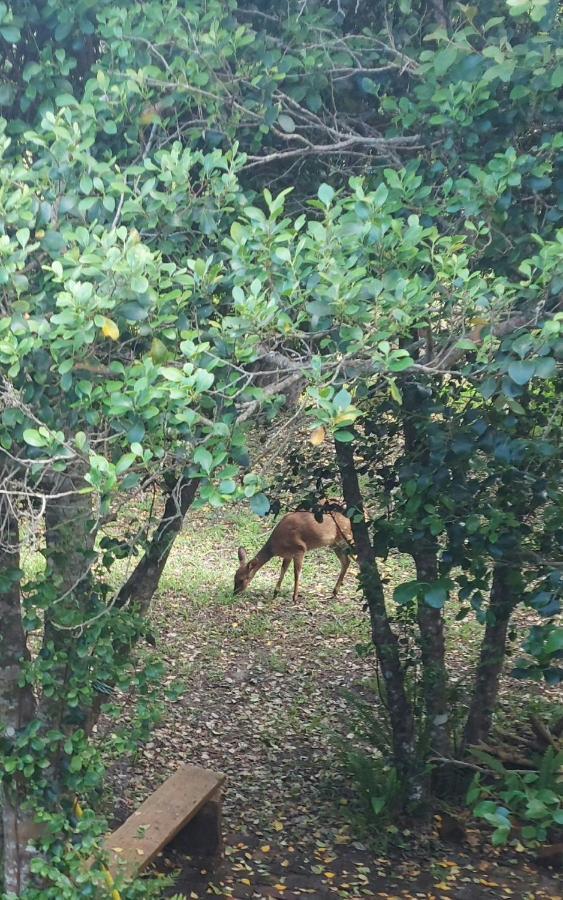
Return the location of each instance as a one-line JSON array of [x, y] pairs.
[[344, 558], [284, 568], [297, 567]]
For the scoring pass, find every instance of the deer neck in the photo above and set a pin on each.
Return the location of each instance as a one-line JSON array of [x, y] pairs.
[[262, 557]]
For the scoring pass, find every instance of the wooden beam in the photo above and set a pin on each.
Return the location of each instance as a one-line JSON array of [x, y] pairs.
[[159, 819]]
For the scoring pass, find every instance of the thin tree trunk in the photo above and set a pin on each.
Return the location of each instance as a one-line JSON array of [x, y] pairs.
[[141, 585], [433, 653], [70, 532], [440, 13], [143, 581], [17, 706], [503, 599], [430, 620], [385, 641]]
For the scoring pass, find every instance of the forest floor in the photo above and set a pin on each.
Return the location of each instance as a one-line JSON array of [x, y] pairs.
[[267, 702]]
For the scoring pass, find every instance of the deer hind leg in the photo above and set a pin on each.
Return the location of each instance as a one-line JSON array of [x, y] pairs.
[[343, 556], [284, 568], [297, 567]]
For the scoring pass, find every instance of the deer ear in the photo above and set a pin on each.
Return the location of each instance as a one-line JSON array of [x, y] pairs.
[[242, 555]]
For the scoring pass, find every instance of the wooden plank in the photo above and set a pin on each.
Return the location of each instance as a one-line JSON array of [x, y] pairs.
[[132, 846]]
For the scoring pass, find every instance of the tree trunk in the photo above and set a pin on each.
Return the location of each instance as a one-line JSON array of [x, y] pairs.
[[400, 709], [70, 532], [430, 620], [503, 599], [141, 585], [440, 13], [143, 581], [433, 652], [17, 706]]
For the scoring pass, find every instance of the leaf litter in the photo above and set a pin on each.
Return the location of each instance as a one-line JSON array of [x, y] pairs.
[[264, 704]]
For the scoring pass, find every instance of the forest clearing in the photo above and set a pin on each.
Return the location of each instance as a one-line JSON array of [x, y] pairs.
[[266, 701]]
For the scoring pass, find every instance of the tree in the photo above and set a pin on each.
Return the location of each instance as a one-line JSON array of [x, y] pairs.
[[434, 297]]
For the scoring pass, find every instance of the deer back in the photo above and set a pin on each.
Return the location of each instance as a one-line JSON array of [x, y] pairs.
[[300, 531]]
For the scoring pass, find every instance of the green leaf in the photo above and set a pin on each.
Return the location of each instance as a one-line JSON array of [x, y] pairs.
[[406, 592], [399, 364], [7, 94], [554, 642], [66, 100], [158, 350], [325, 194], [133, 312], [395, 392], [124, 463], [203, 380], [342, 399], [32, 437], [546, 366], [203, 458], [139, 284], [443, 59], [136, 433], [171, 374], [22, 235], [521, 371], [10, 33], [286, 123], [557, 77], [436, 594], [53, 241], [259, 504], [75, 764], [381, 194], [500, 835]]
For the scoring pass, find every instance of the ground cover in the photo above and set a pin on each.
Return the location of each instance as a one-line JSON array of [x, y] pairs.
[[265, 702]]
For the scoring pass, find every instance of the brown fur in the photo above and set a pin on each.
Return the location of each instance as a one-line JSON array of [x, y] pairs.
[[292, 537]]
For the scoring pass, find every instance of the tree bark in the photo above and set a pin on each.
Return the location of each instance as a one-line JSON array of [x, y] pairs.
[[433, 652], [17, 707], [430, 620], [400, 709], [143, 581], [141, 585], [503, 599], [70, 532], [440, 13]]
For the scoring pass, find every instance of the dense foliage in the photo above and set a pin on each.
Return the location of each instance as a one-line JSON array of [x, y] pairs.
[[153, 268]]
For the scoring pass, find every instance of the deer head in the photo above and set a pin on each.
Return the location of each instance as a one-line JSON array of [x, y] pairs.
[[245, 572]]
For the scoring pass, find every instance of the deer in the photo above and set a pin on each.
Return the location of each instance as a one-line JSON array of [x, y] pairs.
[[294, 535]]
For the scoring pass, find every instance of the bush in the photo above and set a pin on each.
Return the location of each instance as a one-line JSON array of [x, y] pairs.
[[520, 804]]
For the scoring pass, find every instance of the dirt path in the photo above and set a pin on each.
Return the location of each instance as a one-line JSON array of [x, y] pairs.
[[265, 703]]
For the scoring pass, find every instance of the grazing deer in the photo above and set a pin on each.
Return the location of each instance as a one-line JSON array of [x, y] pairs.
[[292, 537]]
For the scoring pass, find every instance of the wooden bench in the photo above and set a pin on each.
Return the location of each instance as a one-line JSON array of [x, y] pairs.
[[188, 802]]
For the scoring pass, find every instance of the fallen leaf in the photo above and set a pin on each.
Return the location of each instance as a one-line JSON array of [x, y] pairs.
[[317, 436], [110, 329]]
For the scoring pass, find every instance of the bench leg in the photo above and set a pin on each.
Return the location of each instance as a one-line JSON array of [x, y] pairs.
[[203, 836]]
